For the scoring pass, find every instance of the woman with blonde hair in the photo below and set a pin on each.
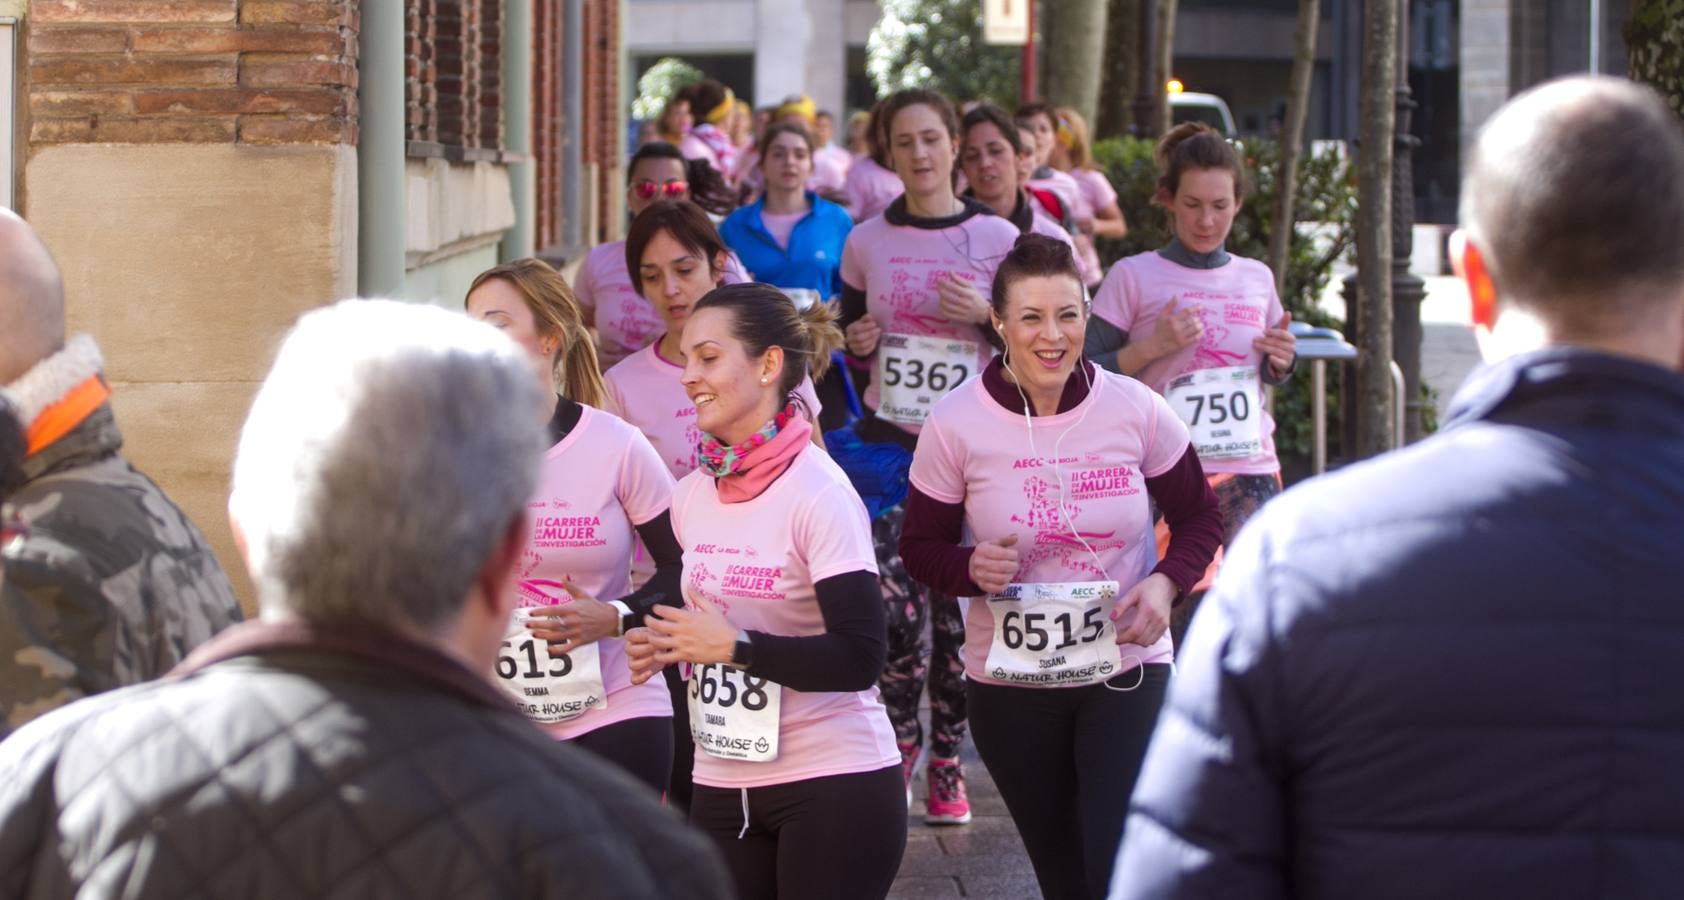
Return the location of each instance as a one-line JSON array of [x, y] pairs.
[[563, 660], [1097, 212]]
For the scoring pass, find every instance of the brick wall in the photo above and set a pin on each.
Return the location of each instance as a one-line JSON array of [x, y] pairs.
[[454, 77], [600, 114], [603, 122], [193, 71]]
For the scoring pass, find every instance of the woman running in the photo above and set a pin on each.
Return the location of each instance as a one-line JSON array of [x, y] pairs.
[[790, 238], [797, 777], [995, 160], [711, 105], [562, 660], [1097, 213], [916, 323], [871, 184], [625, 322], [678, 257], [1202, 327], [1030, 491]]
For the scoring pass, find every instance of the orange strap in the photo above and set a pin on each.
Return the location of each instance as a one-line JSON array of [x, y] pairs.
[[71, 410]]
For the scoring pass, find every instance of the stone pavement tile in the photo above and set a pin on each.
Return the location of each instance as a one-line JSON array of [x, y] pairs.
[[983, 843], [1020, 886], [924, 864], [924, 888]]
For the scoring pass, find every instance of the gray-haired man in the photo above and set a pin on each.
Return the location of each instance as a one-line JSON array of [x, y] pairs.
[[350, 744]]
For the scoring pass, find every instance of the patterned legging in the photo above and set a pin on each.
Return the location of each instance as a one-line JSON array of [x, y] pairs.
[[1240, 497], [909, 606]]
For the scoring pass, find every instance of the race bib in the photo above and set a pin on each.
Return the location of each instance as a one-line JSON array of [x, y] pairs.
[[547, 688], [734, 715], [914, 372], [1221, 409], [1056, 634]]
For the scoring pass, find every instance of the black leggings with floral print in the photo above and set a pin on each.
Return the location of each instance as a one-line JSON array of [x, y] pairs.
[[910, 606]]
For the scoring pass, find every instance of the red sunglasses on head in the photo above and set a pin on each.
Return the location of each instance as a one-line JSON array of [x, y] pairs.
[[647, 190]]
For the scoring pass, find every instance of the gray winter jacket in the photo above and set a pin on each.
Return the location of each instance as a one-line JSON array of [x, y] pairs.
[[306, 762]]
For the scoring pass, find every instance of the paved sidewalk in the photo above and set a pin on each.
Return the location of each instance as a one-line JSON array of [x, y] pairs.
[[983, 859]]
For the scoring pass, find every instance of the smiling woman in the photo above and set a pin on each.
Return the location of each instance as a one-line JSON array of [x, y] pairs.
[[1030, 487]]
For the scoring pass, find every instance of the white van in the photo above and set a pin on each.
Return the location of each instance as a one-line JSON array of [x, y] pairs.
[[1207, 108]]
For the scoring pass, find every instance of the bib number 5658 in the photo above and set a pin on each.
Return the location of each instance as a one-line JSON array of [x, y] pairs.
[[1028, 631], [721, 686]]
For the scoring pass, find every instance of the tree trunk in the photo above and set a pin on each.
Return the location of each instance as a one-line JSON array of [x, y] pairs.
[[1374, 228], [1074, 32], [1165, 68], [1121, 73], [1292, 140], [1655, 44]]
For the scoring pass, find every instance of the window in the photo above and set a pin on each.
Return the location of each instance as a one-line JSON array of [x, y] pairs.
[[453, 93]]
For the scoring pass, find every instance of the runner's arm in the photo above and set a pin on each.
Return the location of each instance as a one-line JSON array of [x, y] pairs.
[[662, 588], [1102, 343], [929, 545], [1195, 522], [847, 657]]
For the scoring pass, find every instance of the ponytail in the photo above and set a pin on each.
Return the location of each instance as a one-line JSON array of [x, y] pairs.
[[574, 370], [823, 337]]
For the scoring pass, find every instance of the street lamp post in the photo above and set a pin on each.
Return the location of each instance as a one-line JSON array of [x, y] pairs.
[[1146, 95]]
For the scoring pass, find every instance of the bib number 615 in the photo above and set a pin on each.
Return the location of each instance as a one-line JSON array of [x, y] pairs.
[[508, 665], [1028, 631], [725, 687]]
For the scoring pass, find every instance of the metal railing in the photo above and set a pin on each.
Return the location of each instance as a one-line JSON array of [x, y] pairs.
[[1318, 345]]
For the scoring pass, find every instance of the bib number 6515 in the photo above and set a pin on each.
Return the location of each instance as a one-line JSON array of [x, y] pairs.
[[725, 687], [1029, 631]]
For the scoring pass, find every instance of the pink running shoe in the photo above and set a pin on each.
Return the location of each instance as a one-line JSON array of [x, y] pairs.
[[909, 754], [947, 804]]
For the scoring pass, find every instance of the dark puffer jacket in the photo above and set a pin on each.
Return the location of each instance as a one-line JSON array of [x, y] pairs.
[[292, 762], [1456, 671]]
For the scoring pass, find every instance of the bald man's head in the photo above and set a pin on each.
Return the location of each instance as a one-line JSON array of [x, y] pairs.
[[31, 299], [1574, 193]]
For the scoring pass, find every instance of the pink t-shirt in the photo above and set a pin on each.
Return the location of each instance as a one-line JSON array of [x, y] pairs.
[[781, 225], [757, 562], [975, 452], [830, 169], [1237, 303], [1096, 194], [1042, 224], [583, 528], [870, 188], [898, 266], [625, 322], [1067, 190]]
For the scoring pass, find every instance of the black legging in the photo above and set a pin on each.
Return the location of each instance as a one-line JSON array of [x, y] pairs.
[[642, 747], [839, 837], [1065, 760], [683, 745]]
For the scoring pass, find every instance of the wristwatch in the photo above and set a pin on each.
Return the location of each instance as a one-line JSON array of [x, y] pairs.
[[625, 617], [742, 655]]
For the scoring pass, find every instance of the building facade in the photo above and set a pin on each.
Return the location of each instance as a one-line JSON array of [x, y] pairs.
[[207, 170]]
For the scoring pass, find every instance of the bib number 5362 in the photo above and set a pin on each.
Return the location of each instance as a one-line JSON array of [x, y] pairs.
[[917, 375]]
